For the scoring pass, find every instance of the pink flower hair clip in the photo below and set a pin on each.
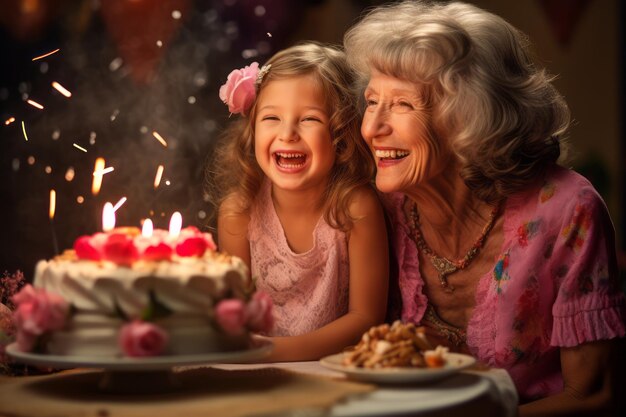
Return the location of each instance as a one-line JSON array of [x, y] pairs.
[[239, 91]]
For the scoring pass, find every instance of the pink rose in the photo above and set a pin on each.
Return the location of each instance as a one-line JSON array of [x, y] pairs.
[[120, 249], [231, 316], [141, 339], [192, 246], [38, 311], [25, 341], [239, 91], [85, 250], [259, 312], [158, 252]]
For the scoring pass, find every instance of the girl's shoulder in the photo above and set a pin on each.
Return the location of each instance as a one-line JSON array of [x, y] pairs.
[[364, 201]]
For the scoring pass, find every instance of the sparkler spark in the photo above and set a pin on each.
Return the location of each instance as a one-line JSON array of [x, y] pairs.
[[53, 203], [24, 131], [159, 138], [35, 104], [61, 89], [79, 147], [9, 121], [119, 203], [103, 171], [157, 177], [47, 54], [97, 179]]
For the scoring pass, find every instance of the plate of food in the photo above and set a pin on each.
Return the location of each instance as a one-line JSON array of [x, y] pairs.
[[397, 354]]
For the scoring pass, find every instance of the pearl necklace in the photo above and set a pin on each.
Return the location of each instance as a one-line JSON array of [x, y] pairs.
[[444, 266]]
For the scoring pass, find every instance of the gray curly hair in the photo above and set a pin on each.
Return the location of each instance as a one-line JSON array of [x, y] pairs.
[[504, 119]]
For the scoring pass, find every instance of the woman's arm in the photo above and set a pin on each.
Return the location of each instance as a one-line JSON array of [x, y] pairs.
[[232, 230], [590, 373], [369, 266]]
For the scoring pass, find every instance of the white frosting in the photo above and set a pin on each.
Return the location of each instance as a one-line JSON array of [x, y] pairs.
[[99, 291]]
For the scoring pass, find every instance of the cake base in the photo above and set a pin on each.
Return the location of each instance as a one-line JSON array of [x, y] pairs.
[[96, 335]]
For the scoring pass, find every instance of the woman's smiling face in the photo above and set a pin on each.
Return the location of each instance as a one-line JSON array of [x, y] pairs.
[[396, 128]]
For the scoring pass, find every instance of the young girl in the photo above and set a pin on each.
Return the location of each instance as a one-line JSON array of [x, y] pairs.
[[295, 202]]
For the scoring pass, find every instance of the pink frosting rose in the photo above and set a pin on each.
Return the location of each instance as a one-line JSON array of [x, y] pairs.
[[120, 248], [85, 249], [239, 91], [231, 316], [259, 312], [157, 252], [142, 339]]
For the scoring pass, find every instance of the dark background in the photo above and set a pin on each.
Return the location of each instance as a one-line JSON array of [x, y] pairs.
[[124, 86]]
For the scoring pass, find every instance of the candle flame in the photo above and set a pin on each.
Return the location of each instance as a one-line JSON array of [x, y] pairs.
[[97, 176], [159, 138], [47, 54], [35, 104], [9, 121], [108, 217], [119, 203], [157, 177], [147, 228], [61, 89], [176, 223], [53, 203]]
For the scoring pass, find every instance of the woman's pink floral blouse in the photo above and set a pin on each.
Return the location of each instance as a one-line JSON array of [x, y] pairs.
[[555, 283]]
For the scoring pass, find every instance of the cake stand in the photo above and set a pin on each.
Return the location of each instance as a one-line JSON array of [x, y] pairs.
[[140, 375]]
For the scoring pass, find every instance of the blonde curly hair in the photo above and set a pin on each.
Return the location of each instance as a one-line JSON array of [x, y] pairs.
[[501, 114], [234, 171]]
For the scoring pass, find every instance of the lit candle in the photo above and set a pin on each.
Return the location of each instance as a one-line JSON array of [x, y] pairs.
[[108, 217], [176, 222], [146, 229], [51, 211]]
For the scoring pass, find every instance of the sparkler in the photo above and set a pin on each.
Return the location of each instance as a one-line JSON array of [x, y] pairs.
[[103, 171], [9, 121], [61, 89], [159, 138], [157, 177], [47, 54], [79, 147], [24, 131], [35, 104], [119, 203], [51, 211], [97, 176]]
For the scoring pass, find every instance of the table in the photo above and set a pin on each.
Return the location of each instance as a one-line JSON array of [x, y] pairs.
[[283, 389]]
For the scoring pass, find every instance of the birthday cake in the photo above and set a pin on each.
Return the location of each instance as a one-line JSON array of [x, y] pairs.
[[120, 293]]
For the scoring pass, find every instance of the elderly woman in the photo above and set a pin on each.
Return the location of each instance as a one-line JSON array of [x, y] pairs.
[[501, 252]]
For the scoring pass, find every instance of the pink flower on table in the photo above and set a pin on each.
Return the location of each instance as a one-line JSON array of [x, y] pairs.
[[239, 91], [38, 311], [231, 316], [120, 249], [141, 339], [259, 312]]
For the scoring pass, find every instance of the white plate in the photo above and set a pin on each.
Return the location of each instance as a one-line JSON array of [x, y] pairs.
[[139, 364], [455, 363]]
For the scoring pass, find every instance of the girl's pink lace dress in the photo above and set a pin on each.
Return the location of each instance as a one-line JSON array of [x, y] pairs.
[[309, 289], [554, 284]]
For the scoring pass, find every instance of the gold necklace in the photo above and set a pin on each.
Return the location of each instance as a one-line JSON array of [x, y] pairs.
[[443, 265]]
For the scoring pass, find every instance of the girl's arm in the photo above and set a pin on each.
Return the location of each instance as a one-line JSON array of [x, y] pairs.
[[590, 373], [232, 230], [369, 270]]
